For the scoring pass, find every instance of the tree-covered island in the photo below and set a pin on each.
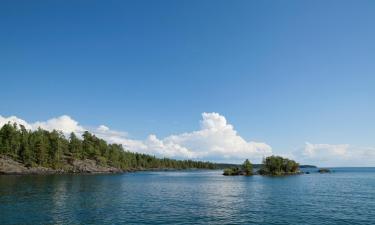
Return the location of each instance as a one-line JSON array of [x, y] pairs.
[[271, 166], [245, 169]]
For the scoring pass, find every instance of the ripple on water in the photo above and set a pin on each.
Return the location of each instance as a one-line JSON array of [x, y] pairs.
[[197, 197]]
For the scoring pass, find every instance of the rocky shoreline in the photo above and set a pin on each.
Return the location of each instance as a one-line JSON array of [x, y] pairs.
[[8, 166]]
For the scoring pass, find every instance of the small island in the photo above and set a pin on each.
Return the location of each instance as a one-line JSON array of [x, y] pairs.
[[324, 170], [246, 169], [271, 166]]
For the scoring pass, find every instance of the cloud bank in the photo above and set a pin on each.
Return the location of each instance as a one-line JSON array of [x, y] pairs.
[[336, 155], [215, 140]]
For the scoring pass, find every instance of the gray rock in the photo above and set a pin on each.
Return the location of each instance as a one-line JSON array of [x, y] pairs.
[[10, 166]]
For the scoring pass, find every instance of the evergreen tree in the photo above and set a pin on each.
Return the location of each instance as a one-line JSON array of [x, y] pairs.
[[25, 148], [247, 167], [75, 146], [40, 148]]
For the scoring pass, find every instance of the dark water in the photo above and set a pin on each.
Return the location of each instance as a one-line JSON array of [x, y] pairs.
[[346, 196]]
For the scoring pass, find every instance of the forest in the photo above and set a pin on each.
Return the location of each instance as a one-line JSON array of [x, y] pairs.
[[52, 149]]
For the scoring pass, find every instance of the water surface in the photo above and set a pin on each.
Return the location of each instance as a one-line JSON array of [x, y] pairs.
[[346, 196]]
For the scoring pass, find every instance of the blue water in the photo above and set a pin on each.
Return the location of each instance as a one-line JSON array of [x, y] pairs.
[[346, 196]]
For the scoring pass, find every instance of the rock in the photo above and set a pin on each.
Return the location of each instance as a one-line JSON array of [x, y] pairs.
[[91, 166], [324, 170], [42, 170], [10, 166]]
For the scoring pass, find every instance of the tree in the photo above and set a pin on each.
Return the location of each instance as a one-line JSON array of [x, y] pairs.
[[25, 149], [40, 147], [247, 167], [10, 140], [55, 148], [276, 165], [75, 146]]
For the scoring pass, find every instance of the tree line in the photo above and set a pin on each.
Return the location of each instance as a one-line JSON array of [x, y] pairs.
[[53, 149]]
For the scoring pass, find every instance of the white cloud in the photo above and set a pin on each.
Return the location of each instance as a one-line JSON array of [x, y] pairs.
[[325, 151], [215, 140], [218, 138], [336, 155], [63, 123], [14, 119], [168, 149], [103, 128]]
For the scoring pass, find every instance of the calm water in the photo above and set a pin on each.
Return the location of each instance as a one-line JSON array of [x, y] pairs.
[[346, 196]]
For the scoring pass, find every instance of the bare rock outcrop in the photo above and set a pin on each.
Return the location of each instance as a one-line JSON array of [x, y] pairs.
[[91, 166], [10, 166]]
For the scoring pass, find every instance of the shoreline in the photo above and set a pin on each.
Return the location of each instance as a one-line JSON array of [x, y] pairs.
[[9, 166]]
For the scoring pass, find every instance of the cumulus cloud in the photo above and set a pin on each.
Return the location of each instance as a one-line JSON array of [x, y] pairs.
[[14, 119], [63, 123], [336, 155], [215, 140], [218, 137], [325, 151]]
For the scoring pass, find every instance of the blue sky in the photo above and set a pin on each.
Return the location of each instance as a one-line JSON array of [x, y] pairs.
[[281, 72]]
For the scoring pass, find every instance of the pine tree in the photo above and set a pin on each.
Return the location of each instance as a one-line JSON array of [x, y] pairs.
[[247, 167], [25, 148]]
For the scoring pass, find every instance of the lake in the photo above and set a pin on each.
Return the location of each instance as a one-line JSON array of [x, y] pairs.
[[346, 196]]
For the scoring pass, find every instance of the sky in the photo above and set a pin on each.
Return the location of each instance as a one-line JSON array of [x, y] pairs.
[[213, 80]]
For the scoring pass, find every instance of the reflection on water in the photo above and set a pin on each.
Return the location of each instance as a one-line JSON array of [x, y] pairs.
[[194, 197]]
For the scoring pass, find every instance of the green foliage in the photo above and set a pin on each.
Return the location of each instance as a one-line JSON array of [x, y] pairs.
[[247, 167], [276, 165], [54, 150], [232, 171]]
